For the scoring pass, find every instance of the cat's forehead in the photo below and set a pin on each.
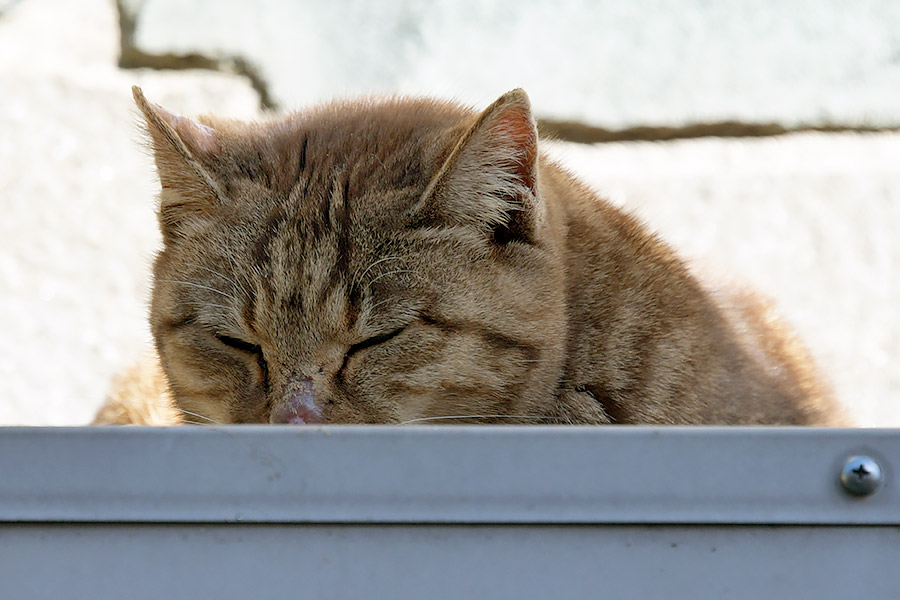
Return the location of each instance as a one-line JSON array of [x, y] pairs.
[[395, 141], [358, 149], [390, 119], [341, 171]]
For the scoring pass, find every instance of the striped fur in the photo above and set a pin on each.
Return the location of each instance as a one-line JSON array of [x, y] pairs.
[[402, 260]]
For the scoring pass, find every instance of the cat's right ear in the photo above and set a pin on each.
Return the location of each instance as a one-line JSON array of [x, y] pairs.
[[181, 148], [490, 178]]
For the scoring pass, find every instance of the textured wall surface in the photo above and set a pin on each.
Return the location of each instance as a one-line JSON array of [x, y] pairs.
[[77, 192], [607, 63], [811, 219]]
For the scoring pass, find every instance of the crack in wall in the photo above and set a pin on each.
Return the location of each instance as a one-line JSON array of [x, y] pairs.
[[575, 131], [131, 57]]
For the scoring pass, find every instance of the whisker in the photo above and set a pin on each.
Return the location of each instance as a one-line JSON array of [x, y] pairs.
[[197, 285], [198, 415], [230, 280], [214, 272], [208, 304], [457, 417], [181, 410], [356, 279], [394, 273], [377, 304], [255, 271]]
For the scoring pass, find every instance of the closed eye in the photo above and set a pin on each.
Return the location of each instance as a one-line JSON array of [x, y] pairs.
[[251, 349], [372, 341], [241, 345]]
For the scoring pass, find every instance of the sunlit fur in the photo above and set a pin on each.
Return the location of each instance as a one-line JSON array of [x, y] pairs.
[[421, 262]]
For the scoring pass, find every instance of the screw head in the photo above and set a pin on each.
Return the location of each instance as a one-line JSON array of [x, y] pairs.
[[861, 475]]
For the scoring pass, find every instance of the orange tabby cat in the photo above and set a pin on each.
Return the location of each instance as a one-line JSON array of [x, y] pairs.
[[399, 260]]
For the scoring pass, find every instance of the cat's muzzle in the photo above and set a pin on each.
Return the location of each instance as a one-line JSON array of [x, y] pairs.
[[297, 405]]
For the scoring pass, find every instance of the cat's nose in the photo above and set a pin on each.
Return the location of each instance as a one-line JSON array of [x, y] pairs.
[[298, 404]]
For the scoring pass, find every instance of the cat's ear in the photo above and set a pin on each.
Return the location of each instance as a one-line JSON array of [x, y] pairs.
[[181, 149], [490, 177]]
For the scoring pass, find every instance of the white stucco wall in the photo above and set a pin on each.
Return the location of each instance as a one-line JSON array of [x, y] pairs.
[[608, 63], [811, 219]]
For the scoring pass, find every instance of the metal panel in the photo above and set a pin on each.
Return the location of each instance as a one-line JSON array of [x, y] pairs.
[[471, 474], [44, 561]]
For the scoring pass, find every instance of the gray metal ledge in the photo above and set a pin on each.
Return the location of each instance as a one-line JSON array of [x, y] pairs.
[[442, 475]]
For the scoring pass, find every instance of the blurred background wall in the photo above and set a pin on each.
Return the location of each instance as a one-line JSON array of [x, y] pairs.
[[760, 138]]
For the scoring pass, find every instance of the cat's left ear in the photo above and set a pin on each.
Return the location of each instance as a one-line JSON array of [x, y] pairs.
[[183, 150], [490, 178]]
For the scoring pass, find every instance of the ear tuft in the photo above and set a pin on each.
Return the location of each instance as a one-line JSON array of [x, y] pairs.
[[490, 178], [513, 124]]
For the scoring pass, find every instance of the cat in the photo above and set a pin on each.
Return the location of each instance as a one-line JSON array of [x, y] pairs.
[[406, 260]]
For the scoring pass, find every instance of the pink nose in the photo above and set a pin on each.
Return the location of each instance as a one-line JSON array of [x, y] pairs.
[[298, 405]]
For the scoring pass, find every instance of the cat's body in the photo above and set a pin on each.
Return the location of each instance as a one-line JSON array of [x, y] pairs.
[[406, 260]]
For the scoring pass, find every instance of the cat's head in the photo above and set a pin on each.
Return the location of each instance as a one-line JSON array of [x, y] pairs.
[[377, 261]]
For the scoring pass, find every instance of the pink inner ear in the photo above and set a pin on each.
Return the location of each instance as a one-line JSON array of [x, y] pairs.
[[517, 125], [202, 137], [196, 136]]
